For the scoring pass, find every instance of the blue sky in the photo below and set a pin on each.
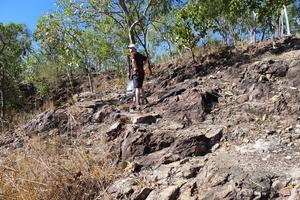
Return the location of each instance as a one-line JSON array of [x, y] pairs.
[[24, 11]]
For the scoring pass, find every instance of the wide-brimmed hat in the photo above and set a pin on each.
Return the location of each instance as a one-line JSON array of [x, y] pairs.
[[132, 46]]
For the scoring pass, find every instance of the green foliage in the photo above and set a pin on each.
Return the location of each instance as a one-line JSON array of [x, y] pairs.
[[294, 12], [231, 19], [14, 46], [73, 43], [192, 25], [268, 12], [42, 73], [82, 36]]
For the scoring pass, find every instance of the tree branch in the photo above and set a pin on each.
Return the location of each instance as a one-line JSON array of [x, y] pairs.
[[124, 7], [144, 15]]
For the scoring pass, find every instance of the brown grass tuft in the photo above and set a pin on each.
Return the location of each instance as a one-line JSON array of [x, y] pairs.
[[17, 118], [51, 169]]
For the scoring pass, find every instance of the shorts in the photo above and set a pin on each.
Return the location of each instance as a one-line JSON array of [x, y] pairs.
[[138, 81]]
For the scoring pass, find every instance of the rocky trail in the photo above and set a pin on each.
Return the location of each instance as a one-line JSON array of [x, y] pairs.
[[226, 127]]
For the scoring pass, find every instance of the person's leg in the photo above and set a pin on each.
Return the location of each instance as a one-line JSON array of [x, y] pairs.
[[138, 84], [135, 85], [137, 96]]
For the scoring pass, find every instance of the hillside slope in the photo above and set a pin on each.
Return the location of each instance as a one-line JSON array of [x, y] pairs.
[[227, 127]]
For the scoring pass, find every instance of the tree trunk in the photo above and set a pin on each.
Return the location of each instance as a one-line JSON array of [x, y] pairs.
[[148, 62], [2, 100], [131, 35], [144, 44], [193, 55], [170, 50], [146, 50], [91, 83], [263, 35], [286, 21], [250, 36], [225, 37], [1, 109], [129, 20], [70, 78], [280, 25], [1, 104], [254, 28], [130, 24], [1, 92], [180, 52], [90, 79]]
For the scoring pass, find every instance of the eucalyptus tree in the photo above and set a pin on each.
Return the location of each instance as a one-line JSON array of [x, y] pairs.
[[263, 16], [161, 33], [74, 43], [234, 19], [97, 33], [191, 26], [270, 16], [133, 18], [14, 45], [199, 17], [294, 12], [60, 37]]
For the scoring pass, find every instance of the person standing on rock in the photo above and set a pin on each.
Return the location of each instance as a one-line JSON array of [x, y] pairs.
[[137, 73]]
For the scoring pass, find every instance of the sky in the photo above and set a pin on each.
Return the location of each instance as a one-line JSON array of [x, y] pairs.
[[24, 11]]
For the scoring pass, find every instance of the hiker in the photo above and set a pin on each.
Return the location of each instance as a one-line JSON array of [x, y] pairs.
[[137, 73]]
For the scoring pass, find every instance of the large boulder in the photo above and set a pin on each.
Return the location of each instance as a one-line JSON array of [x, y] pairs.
[[293, 74], [192, 105], [47, 121], [197, 145], [141, 143]]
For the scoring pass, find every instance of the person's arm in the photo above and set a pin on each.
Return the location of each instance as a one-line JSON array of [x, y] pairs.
[[129, 68]]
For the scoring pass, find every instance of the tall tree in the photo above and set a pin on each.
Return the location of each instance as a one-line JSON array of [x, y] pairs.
[[191, 26], [14, 45], [134, 18], [74, 43]]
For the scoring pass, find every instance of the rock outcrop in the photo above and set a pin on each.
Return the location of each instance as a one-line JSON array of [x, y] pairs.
[[227, 127]]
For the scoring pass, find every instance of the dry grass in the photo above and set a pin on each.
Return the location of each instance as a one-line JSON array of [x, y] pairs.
[[122, 81], [186, 55], [17, 118], [105, 84], [51, 169]]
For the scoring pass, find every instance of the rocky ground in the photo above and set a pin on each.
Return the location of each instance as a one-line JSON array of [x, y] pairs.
[[226, 127]]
